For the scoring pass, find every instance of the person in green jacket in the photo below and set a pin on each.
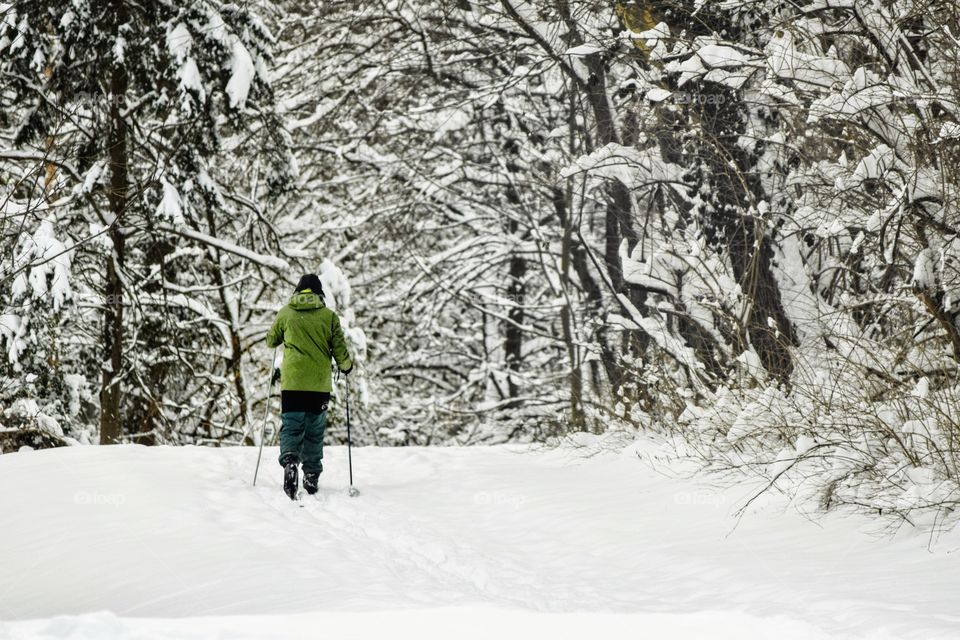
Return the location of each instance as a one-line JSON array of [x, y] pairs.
[[312, 338]]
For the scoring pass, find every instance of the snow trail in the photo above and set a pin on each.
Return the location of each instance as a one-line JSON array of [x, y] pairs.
[[141, 541]]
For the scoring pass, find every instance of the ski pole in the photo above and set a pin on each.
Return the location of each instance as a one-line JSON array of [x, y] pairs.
[[266, 412], [353, 492]]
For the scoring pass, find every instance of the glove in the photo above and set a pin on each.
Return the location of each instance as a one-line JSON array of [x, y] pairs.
[[346, 372], [276, 376]]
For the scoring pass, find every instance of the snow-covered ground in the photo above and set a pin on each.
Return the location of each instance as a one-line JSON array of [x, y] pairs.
[[136, 542]]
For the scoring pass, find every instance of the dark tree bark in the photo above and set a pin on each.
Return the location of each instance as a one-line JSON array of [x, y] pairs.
[[513, 340], [513, 334], [733, 188], [577, 418], [111, 418], [617, 219]]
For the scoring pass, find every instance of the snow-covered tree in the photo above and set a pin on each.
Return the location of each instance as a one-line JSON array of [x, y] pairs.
[[122, 114]]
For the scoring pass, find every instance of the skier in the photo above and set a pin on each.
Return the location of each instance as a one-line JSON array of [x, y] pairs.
[[311, 337]]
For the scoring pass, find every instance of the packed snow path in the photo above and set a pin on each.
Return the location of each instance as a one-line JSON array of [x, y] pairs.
[[136, 541]]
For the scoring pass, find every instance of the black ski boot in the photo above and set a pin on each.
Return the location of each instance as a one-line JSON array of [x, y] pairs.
[[311, 482], [290, 478]]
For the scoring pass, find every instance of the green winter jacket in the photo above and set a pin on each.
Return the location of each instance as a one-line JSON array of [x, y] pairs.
[[311, 335]]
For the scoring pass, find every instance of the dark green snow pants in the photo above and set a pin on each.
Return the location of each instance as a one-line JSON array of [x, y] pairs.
[[301, 436]]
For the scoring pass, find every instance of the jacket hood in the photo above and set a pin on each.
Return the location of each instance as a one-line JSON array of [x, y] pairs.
[[310, 282], [306, 300]]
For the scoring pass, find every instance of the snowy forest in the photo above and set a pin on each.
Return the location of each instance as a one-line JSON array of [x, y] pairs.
[[734, 225]]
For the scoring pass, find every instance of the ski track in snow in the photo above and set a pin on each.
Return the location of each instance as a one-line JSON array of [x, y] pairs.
[[174, 542]]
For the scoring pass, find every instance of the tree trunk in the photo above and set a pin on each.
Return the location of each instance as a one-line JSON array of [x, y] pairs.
[[111, 419], [617, 216], [577, 420], [734, 187], [618, 223], [513, 339]]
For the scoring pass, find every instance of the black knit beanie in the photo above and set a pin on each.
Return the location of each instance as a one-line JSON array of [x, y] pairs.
[[312, 282]]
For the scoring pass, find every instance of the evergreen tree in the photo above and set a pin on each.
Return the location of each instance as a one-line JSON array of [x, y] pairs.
[[126, 111]]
